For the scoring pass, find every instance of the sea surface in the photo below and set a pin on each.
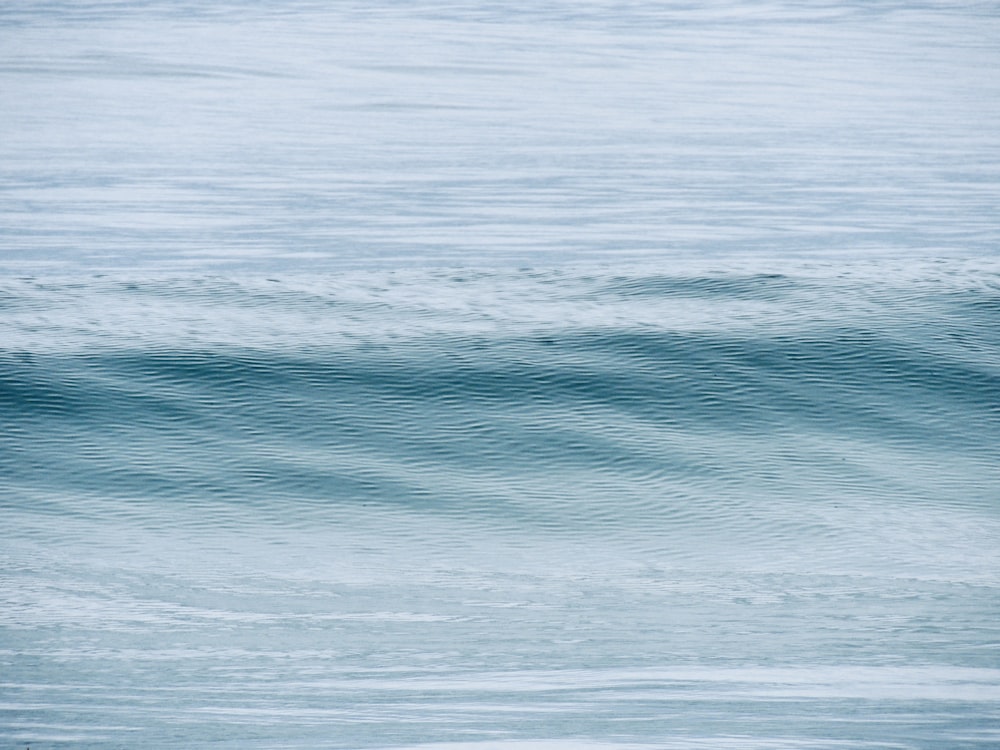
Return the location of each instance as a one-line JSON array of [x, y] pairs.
[[500, 375]]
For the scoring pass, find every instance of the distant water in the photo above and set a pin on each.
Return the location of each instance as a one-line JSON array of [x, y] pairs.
[[499, 375], [238, 133]]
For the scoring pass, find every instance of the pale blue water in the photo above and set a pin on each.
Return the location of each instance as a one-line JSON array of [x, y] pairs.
[[186, 135], [496, 375]]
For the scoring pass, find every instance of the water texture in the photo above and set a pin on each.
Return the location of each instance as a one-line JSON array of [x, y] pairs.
[[179, 135], [547, 509], [462, 375]]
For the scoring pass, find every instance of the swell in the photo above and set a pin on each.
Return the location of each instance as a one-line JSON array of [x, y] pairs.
[[840, 421], [507, 423]]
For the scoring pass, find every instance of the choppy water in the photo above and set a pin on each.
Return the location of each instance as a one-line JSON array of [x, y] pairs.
[[499, 375]]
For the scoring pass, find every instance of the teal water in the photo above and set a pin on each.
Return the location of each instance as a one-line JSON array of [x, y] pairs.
[[629, 507]]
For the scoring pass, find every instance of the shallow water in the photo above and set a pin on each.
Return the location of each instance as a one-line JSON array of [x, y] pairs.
[[495, 375]]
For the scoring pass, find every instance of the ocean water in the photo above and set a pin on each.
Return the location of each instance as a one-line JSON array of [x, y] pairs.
[[620, 508], [239, 133], [500, 376]]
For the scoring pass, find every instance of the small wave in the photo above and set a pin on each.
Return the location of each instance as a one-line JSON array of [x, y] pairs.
[[303, 401]]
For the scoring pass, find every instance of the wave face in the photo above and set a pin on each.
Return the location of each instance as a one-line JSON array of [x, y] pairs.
[[578, 508]]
